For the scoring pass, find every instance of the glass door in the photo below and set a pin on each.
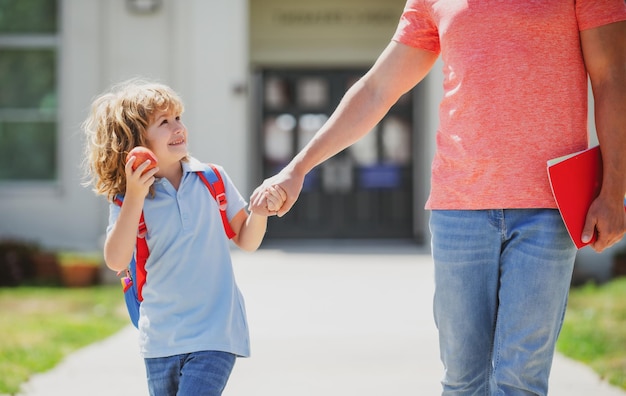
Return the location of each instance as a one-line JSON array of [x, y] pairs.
[[363, 192]]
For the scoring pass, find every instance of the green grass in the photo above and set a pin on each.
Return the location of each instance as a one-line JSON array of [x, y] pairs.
[[594, 331], [40, 326]]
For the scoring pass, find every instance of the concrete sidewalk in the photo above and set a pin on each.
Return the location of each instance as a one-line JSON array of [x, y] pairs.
[[337, 319]]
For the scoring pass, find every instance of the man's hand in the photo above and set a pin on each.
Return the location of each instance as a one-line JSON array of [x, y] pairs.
[[608, 219], [287, 183], [272, 200]]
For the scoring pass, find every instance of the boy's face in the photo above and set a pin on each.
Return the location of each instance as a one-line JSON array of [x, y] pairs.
[[166, 136]]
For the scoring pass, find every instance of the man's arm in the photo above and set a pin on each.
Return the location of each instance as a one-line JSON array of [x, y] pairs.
[[398, 69], [604, 52]]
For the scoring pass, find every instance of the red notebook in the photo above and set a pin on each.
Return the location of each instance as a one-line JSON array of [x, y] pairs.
[[576, 180]]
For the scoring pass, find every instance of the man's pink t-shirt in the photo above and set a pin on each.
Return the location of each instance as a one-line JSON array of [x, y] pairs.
[[515, 93]]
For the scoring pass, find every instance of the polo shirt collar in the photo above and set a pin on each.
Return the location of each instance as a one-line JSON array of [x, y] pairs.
[[193, 165]]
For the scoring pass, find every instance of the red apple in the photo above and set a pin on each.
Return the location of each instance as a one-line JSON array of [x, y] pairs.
[[142, 154]]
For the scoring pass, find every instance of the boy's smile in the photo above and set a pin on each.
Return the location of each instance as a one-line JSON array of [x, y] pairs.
[[166, 136]]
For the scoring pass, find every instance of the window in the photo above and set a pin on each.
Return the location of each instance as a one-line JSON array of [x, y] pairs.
[[365, 191], [28, 90]]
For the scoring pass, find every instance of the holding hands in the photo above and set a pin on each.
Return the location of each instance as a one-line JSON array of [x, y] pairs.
[[277, 194], [273, 198]]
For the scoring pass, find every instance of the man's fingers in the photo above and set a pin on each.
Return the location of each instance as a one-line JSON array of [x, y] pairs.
[[281, 191], [286, 207]]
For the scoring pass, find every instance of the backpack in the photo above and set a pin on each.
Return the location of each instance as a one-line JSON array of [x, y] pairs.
[[134, 277]]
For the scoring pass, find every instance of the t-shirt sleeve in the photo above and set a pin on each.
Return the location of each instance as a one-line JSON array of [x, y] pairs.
[[417, 27], [595, 13], [114, 212]]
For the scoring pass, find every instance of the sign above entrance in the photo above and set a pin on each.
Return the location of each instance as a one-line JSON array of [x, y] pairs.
[[285, 32], [337, 16]]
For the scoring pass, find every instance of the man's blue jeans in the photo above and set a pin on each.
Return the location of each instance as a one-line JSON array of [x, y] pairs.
[[501, 284], [194, 374]]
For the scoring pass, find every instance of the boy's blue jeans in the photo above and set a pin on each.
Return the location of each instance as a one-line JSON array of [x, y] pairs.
[[194, 374], [502, 279]]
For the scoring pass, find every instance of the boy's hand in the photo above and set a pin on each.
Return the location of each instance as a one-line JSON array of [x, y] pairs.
[[137, 182], [287, 182], [273, 198]]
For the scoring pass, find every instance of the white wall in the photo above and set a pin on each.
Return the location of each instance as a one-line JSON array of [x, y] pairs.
[[213, 53]]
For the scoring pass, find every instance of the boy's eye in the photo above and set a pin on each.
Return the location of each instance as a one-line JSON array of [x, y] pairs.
[[165, 120]]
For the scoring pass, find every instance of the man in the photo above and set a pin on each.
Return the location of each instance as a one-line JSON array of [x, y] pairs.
[[515, 95]]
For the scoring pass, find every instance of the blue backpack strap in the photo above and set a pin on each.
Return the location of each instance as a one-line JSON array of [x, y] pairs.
[[213, 180], [118, 200]]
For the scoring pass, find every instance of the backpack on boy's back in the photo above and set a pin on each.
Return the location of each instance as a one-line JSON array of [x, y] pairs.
[[134, 277]]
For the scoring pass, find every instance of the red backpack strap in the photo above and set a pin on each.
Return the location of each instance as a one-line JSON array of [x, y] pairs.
[[141, 256], [142, 253], [214, 183]]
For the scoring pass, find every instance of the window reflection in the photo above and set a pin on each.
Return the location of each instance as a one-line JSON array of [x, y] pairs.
[[277, 92], [312, 92], [28, 78], [396, 140], [366, 188], [307, 127], [278, 141], [27, 150], [28, 89], [28, 16], [364, 152]]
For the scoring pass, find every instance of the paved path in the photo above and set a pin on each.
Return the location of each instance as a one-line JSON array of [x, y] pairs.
[[333, 319]]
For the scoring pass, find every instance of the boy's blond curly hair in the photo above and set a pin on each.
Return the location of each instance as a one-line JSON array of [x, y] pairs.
[[117, 123]]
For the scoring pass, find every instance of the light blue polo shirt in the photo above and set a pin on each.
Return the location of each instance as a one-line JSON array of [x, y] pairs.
[[191, 300]]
